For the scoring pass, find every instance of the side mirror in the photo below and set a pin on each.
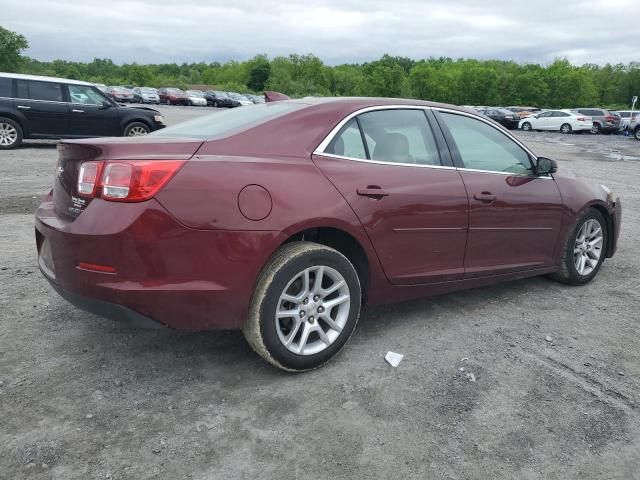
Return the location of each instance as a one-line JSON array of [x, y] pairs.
[[545, 166], [106, 104]]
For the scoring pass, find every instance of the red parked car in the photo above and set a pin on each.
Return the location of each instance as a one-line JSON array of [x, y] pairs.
[[173, 96], [285, 218]]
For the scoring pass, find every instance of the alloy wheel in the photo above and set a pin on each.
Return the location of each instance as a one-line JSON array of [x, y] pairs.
[[137, 131], [587, 249], [8, 134], [312, 310]]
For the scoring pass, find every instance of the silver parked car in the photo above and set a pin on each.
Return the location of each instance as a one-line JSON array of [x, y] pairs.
[[604, 121]]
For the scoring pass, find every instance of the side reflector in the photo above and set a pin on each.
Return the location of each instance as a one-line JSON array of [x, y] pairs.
[[94, 267]]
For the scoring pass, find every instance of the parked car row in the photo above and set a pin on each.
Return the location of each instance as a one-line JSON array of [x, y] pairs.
[[176, 96], [592, 119]]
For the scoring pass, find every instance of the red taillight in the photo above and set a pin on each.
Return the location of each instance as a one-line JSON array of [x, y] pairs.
[[609, 118], [582, 119], [88, 178], [131, 181]]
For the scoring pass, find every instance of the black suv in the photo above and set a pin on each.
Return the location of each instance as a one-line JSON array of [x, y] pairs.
[[45, 107]]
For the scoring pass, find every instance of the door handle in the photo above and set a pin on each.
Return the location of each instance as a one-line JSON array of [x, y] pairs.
[[24, 107], [373, 191], [487, 197], [77, 111]]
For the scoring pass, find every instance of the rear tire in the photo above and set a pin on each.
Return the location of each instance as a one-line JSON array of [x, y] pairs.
[[584, 232], [136, 129], [10, 134], [636, 133], [526, 126], [304, 308], [565, 128]]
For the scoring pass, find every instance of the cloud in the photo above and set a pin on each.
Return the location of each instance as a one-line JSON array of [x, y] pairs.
[[338, 31]]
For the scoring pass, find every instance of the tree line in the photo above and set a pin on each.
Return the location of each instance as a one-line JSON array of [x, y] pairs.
[[559, 84]]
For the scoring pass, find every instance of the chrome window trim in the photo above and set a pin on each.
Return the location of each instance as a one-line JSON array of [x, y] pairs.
[[382, 162], [33, 100], [319, 150]]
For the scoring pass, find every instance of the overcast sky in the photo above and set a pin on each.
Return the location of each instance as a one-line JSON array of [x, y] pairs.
[[338, 31]]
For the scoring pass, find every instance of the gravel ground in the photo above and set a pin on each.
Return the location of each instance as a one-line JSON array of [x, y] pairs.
[[530, 379]]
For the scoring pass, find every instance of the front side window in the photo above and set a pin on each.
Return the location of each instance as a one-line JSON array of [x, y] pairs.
[[399, 136], [483, 147], [348, 143], [545, 114], [85, 94]]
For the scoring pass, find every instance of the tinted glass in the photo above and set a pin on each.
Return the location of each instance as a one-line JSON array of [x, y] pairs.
[[348, 143], [229, 122], [6, 87], [483, 147], [399, 136], [545, 114], [47, 91], [23, 89]]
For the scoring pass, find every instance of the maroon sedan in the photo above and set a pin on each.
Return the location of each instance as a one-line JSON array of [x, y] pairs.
[[173, 96], [284, 219]]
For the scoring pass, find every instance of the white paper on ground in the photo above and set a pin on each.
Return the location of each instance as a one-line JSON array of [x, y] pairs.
[[393, 358]]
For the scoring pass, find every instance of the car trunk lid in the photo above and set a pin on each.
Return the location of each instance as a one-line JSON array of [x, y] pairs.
[[73, 153]]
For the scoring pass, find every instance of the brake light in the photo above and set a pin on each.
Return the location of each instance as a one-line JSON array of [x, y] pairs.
[[88, 178], [583, 119], [128, 181], [609, 118]]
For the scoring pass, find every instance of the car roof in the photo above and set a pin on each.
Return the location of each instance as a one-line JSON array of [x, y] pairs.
[[358, 103], [40, 78]]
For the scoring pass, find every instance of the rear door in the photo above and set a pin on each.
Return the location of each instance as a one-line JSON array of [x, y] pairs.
[[412, 204], [514, 215], [44, 106], [87, 115], [544, 121]]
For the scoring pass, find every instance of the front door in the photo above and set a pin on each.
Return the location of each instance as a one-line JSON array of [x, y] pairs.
[[514, 216], [387, 165], [87, 115]]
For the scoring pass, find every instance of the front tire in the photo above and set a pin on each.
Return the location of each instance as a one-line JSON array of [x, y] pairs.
[[636, 133], [136, 129], [10, 134], [584, 250], [305, 307], [595, 129], [565, 128], [526, 126]]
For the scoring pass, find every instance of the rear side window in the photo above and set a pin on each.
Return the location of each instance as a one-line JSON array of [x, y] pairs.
[[348, 143], [229, 122], [46, 91], [399, 136], [6, 87]]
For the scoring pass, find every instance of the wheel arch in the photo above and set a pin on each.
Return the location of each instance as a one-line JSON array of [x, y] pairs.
[[342, 241], [608, 218], [127, 121], [20, 121]]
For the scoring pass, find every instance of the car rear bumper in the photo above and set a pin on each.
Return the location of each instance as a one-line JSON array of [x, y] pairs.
[[164, 272]]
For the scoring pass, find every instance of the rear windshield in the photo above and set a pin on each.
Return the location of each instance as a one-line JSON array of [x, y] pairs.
[[229, 122]]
